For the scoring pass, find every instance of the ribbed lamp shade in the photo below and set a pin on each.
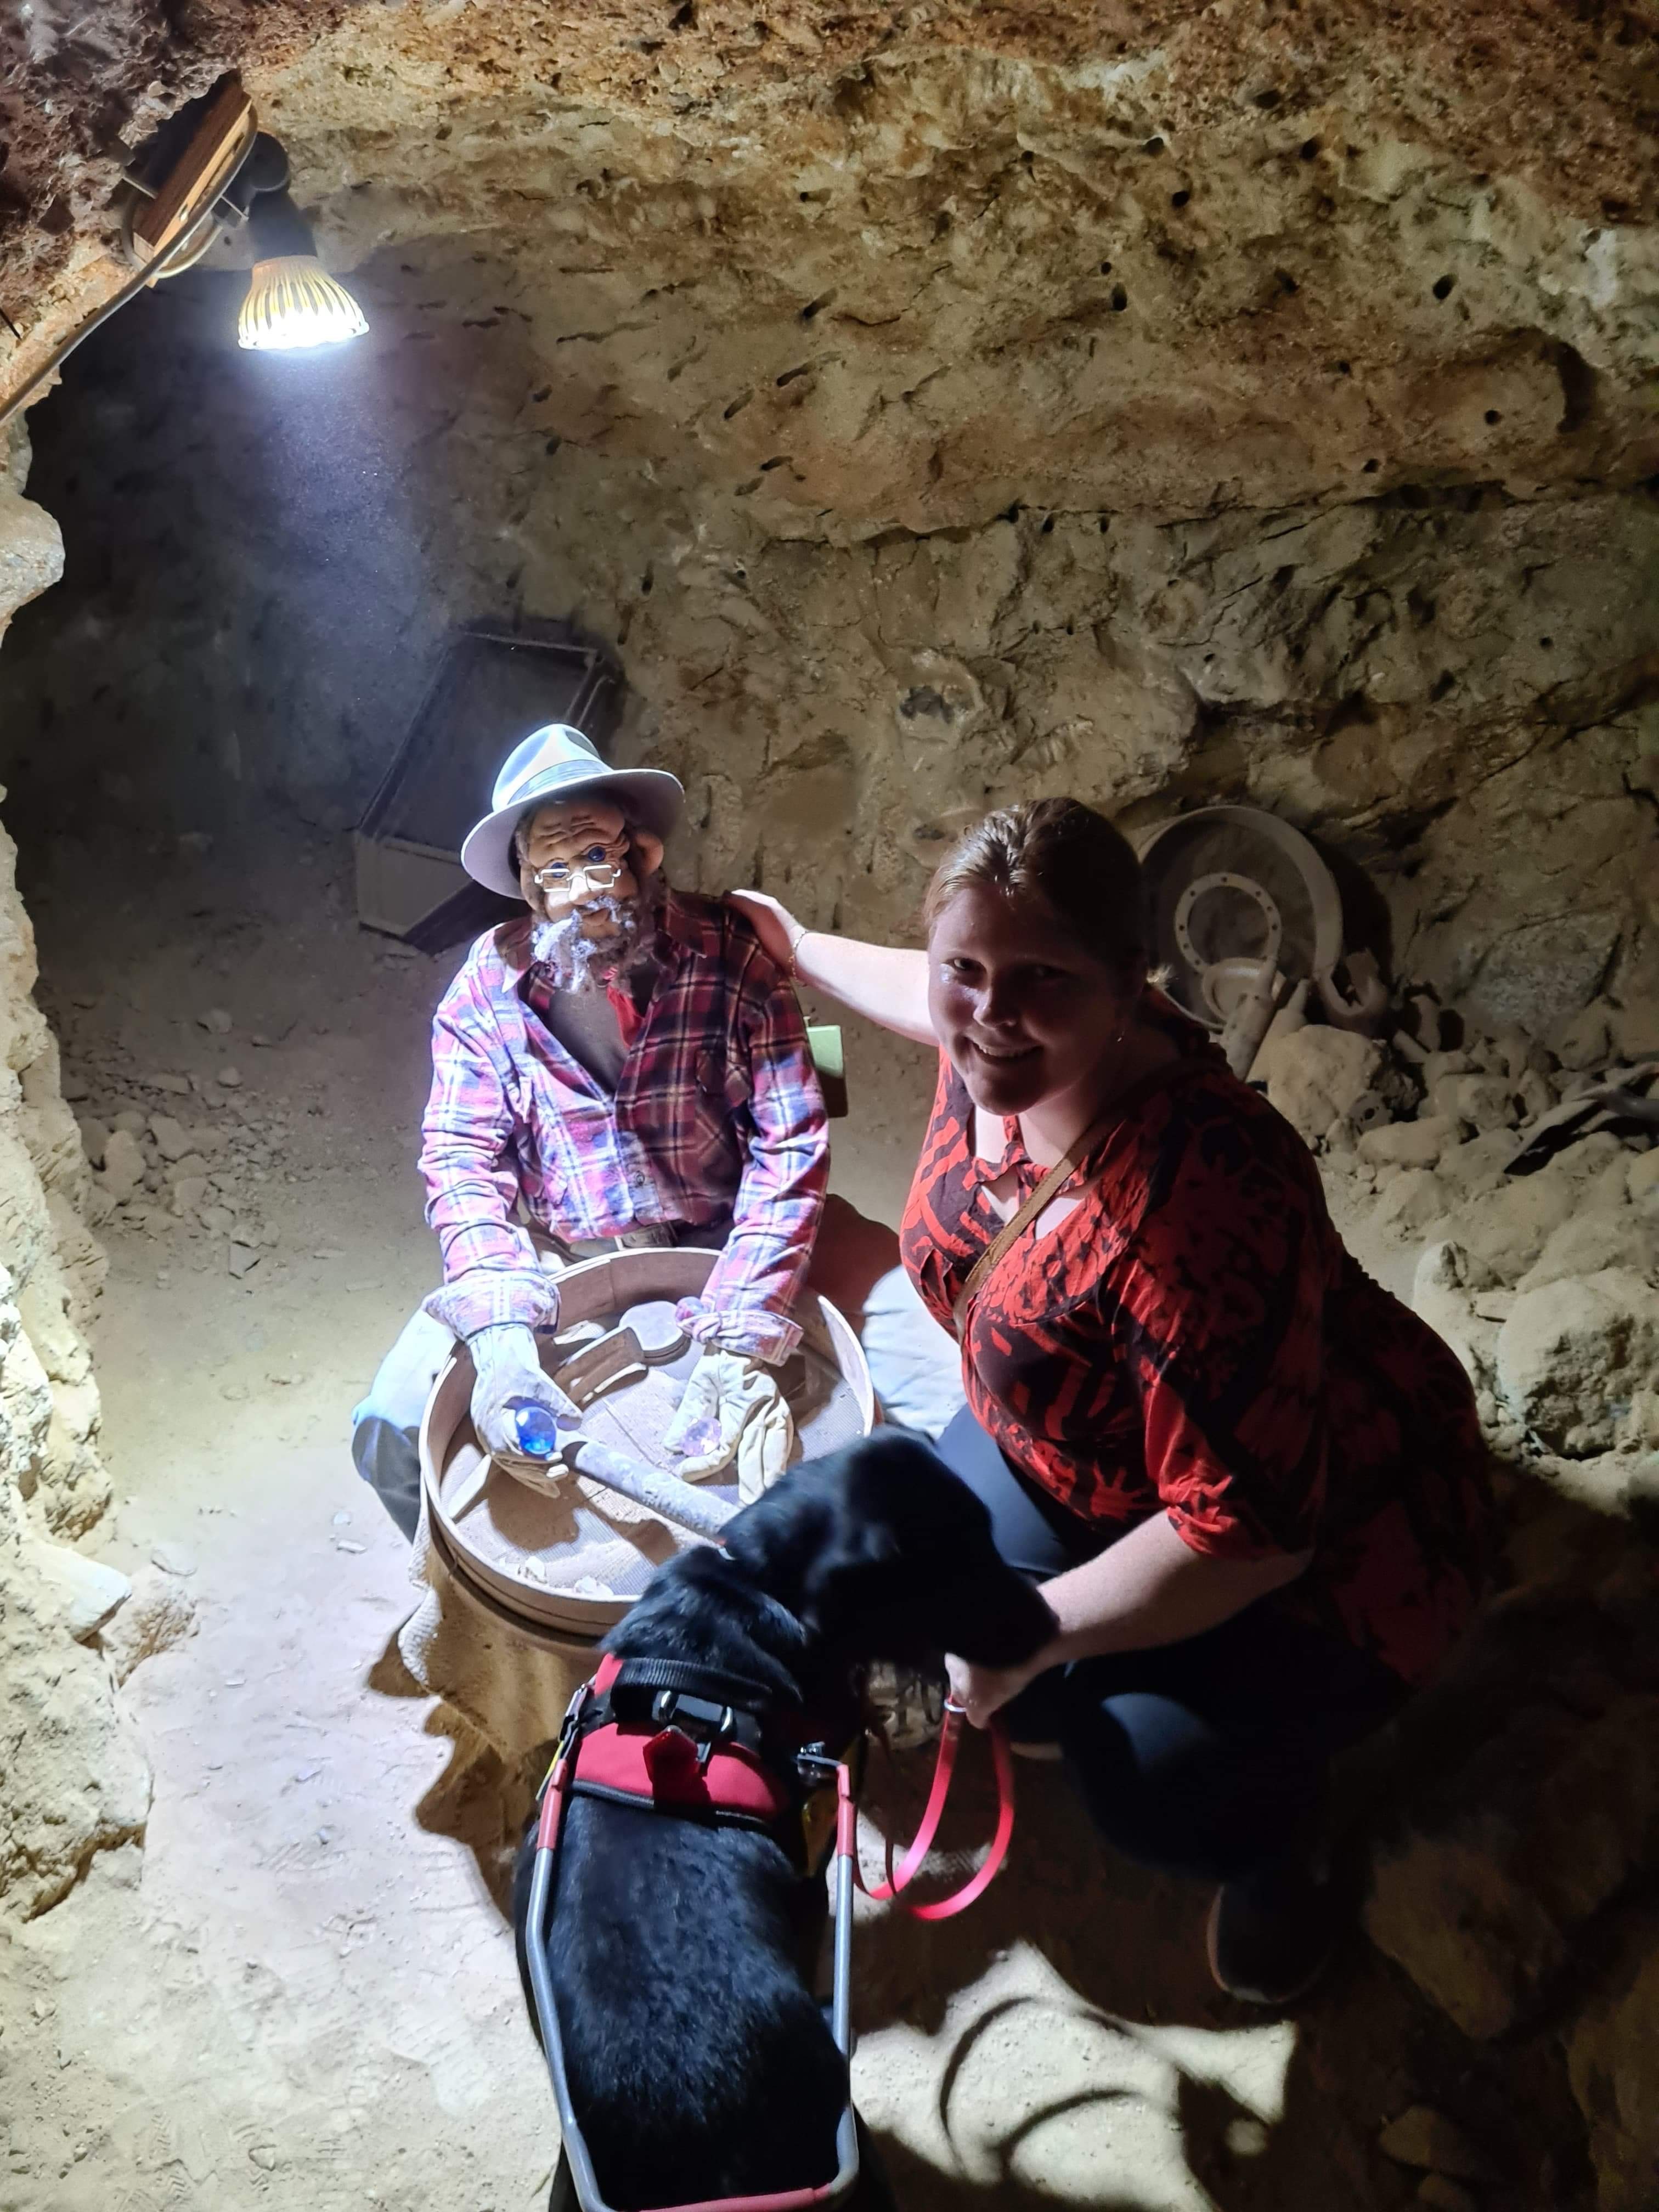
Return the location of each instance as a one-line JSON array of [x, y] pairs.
[[294, 302]]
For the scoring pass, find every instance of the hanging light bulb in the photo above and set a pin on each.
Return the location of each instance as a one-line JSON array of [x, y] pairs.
[[292, 300], [204, 173]]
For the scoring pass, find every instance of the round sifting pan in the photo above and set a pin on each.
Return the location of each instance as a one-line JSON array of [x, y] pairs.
[[1230, 888], [574, 1559]]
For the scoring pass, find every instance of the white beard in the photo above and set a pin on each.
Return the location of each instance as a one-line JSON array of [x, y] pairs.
[[578, 963]]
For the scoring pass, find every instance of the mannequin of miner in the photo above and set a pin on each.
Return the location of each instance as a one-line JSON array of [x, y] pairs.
[[623, 1066]]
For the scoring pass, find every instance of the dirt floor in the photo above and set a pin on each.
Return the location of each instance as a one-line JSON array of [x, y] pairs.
[[300, 1994]]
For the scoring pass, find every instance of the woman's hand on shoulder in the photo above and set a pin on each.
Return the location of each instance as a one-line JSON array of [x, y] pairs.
[[777, 929], [887, 983]]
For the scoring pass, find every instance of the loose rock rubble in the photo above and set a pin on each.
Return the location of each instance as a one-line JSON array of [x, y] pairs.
[[1512, 1189], [1508, 1184], [1610, 2057], [1421, 2137], [181, 1157], [1521, 1172]]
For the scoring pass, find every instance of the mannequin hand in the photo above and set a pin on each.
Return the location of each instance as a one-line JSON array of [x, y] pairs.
[[736, 1398], [507, 1367], [777, 929]]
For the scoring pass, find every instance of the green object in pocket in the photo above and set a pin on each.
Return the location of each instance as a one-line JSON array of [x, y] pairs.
[[823, 1042]]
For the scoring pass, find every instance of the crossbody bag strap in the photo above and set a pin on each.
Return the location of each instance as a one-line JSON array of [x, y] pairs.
[[1017, 1223]]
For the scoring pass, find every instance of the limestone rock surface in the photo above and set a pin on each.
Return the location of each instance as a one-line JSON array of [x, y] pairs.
[[160, 1613], [89, 1594], [1314, 1076], [934, 410], [30, 544], [1572, 1355], [75, 1779]]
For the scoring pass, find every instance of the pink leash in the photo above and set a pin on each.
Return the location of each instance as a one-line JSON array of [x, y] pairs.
[[944, 1908]]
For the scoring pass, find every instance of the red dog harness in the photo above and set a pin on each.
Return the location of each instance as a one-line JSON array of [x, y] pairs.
[[621, 1741], [626, 1745]]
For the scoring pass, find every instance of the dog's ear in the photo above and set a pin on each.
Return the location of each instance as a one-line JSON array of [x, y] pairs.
[[851, 1576], [777, 1540]]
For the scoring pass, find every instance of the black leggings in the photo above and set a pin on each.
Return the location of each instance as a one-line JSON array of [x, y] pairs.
[[1206, 1757]]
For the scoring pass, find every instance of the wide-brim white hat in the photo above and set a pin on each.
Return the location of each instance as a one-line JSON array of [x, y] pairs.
[[555, 763]]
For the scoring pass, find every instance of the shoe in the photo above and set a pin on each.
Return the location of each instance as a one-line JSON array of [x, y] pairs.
[[1271, 1932]]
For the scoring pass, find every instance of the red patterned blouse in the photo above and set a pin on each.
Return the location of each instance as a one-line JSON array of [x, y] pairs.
[[1192, 1337]]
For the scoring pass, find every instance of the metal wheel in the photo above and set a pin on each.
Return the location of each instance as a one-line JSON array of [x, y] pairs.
[[1231, 887]]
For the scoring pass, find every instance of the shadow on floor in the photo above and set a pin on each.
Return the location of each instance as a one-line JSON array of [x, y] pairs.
[[1254, 2117], [1120, 1958]]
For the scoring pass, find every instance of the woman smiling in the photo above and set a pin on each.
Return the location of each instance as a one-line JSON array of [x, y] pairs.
[[1250, 1483]]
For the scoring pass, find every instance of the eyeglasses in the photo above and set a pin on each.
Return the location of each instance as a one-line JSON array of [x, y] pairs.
[[600, 868]]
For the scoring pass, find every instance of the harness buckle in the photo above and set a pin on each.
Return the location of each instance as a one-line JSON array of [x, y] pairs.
[[673, 1708]]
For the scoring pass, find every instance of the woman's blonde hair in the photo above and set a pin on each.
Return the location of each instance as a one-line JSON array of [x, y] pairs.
[[1073, 857]]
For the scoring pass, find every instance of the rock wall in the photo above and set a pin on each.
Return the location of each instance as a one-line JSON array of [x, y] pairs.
[[1453, 685], [1157, 412], [72, 1775], [928, 408]]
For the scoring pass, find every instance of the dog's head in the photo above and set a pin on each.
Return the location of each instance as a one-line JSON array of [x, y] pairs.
[[881, 1550], [703, 1605]]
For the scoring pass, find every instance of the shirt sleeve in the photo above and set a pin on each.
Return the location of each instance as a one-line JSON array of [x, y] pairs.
[[1225, 1315], [491, 1273], [745, 1304]]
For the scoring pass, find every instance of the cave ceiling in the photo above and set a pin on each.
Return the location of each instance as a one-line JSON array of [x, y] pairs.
[[869, 269]]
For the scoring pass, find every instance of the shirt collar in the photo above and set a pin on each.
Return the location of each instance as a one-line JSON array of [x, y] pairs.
[[1012, 1158], [690, 922]]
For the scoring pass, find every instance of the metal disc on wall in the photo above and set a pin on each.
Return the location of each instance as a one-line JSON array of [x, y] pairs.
[[1229, 890]]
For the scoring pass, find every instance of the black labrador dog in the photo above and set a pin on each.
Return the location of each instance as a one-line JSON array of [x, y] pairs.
[[697, 2057]]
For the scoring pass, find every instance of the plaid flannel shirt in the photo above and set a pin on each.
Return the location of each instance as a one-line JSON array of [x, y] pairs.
[[718, 1113]]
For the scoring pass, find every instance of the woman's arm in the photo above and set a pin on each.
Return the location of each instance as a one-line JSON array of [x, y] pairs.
[[886, 982], [1149, 1588]]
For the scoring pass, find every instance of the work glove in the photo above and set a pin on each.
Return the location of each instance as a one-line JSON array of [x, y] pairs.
[[732, 1409], [508, 1369]]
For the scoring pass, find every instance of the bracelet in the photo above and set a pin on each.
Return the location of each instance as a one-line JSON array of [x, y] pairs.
[[796, 945]]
